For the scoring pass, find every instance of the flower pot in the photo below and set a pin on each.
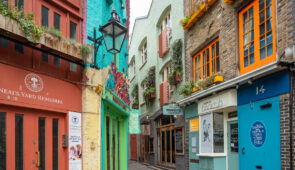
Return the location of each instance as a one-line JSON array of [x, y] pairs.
[[152, 95], [195, 89], [218, 79], [178, 76]]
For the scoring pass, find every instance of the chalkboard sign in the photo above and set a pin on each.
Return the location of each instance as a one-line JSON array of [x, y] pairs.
[[179, 141]]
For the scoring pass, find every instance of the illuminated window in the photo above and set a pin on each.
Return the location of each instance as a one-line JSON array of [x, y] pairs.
[[206, 62], [256, 39]]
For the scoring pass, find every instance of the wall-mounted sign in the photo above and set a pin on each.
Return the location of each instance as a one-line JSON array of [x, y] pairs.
[[75, 141], [225, 99], [134, 123], [172, 110], [264, 88], [258, 134], [194, 125], [145, 129]]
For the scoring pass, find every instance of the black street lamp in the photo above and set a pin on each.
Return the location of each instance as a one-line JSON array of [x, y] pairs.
[[113, 35]]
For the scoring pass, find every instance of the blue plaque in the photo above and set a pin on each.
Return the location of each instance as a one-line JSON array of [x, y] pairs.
[[258, 134]]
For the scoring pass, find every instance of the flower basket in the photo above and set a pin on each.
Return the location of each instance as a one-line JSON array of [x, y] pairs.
[[178, 76], [218, 79]]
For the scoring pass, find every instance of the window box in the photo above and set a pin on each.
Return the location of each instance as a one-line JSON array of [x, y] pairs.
[[218, 79], [195, 89], [197, 14]]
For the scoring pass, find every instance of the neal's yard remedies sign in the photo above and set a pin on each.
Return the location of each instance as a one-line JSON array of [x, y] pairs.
[[134, 125], [75, 138], [172, 110]]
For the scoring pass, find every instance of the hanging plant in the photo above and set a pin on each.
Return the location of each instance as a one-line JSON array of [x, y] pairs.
[[176, 74], [134, 95], [150, 91], [85, 51]]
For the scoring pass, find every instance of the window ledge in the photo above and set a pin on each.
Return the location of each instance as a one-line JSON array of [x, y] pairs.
[[142, 65], [211, 155]]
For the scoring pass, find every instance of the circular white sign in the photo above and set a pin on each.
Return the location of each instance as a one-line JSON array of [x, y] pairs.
[[33, 82]]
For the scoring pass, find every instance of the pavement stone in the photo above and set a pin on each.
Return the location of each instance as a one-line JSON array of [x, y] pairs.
[[134, 165]]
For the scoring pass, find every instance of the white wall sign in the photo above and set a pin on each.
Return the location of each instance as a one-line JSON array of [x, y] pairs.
[[75, 144], [227, 99]]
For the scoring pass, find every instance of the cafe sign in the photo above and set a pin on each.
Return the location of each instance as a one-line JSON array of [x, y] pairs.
[[172, 110], [222, 100]]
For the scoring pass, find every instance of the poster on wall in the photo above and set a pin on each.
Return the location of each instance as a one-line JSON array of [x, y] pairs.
[[75, 141], [194, 125], [134, 125], [206, 133]]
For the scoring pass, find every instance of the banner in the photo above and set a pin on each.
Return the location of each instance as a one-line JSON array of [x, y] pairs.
[[172, 110], [75, 141], [134, 124]]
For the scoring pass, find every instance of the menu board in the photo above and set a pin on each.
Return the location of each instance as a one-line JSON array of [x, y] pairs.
[[179, 141], [234, 137]]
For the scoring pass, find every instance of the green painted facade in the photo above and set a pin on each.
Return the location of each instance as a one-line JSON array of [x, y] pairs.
[[147, 29]]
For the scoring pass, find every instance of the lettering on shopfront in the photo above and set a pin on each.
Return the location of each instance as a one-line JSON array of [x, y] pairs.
[[209, 105], [15, 95]]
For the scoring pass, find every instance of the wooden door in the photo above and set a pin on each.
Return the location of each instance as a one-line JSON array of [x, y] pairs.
[[133, 146]]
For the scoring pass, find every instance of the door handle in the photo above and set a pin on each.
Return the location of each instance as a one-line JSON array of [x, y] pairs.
[[38, 159], [243, 151]]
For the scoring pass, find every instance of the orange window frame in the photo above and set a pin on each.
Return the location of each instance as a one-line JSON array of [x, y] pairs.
[[257, 61], [201, 63]]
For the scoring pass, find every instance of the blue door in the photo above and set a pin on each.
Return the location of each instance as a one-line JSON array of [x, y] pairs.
[[232, 147], [259, 135]]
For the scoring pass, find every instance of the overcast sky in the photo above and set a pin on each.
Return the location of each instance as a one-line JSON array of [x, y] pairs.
[[138, 8]]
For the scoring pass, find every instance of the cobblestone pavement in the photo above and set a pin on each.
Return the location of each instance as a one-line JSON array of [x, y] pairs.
[[133, 165]]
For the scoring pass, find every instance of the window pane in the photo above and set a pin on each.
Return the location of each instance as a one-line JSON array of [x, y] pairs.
[[268, 2], [269, 50], [217, 48], [19, 48], [246, 51], [19, 142], [45, 17], [262, 29], [56, 61], [4, 42], [245, 61], [42, 139], [261, 5], [45, 57], [251, 35], [218, 136], [19, 4], [73, 31], [73, 67], [245, 28], [269, 37], [261, 17], [251, 25], [268, 12], [207, 53], [208, 70], [245, 39], [268, 24], [262, 53], [251, 12], [245, 17], [56, 21], [199, 61], [262, 41], [3, 141], [217, 64], [55, 140], [252, 58], [251, 47], [213, 51]]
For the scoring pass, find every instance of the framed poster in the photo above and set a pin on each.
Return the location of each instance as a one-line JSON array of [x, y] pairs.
[[75, 143]]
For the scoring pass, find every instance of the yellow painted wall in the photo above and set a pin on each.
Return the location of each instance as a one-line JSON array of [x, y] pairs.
[[91, 118]]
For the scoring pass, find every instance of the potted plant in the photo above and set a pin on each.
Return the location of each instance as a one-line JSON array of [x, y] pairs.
[[135, 104], [152, 93], [187, 88]]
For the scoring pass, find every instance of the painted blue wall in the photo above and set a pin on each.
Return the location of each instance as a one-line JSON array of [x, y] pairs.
[[98, 14]]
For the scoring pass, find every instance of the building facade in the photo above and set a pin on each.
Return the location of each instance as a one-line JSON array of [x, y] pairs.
[[105, 100], [156, 69], [40, 89], [242, 94]]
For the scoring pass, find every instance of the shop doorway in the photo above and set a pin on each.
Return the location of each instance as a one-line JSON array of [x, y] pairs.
[[259, 135], [232, 148], [166, 141], [31, 140], [145, 145], [133, 146]]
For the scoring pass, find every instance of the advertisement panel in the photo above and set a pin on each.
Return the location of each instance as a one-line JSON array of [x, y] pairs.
[[75, 141], [134, 125]]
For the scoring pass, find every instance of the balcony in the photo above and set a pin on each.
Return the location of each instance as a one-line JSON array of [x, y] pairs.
[[164, 38], [164, 93]]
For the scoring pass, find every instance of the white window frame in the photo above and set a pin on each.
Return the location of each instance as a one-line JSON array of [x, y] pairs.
[[144, 52]]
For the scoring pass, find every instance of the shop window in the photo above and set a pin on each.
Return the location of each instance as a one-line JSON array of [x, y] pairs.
[[56, 61], [56, 21], [55, 141], [179, 138], [19, 48], [73, 67], [45, 57], [144, 53], [211, 133], [19, 142], [2, 141], [4, 42], [257, 44], [45, 16], [73, 31], [207, 62]]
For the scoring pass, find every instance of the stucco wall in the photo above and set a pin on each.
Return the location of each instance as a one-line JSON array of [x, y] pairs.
[[146, 28]]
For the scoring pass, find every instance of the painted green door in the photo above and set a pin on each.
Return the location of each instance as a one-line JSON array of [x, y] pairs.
[[232, 145]]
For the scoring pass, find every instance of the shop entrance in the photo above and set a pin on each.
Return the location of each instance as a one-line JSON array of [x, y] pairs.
[[145, 145], [166, 141], [232, 146], [31, 140], [259, 135]]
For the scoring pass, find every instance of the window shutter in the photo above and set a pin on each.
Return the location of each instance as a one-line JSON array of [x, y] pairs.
[[160, 45]]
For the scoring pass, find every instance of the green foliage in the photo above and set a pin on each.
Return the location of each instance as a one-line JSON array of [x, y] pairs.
[[176, 61], [147, 95], [54, 32], [185, 20], [85, 51], [171, 78], [25, 20], [134, 95], [187, 88], [150, 79]]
